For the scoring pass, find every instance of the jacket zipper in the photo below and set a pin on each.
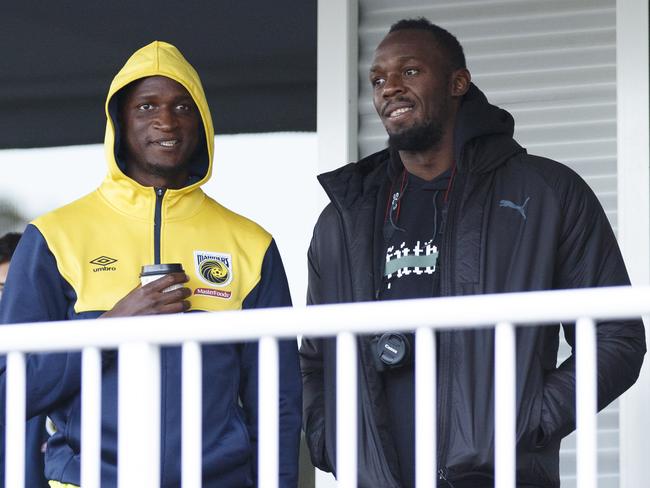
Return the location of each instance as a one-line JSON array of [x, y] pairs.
[[157, 224], [157, 229], [444, 348]]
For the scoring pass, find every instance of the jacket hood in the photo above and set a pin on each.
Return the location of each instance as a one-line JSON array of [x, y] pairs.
[[483, 134], [483, 140], [158, 59]]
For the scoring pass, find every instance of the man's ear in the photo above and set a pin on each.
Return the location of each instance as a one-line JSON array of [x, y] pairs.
[[460, 81]]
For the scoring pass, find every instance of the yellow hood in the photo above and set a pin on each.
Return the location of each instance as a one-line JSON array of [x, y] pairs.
[[158, 59]]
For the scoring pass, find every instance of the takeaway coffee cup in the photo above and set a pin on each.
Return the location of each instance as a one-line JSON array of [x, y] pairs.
[[151, 272]]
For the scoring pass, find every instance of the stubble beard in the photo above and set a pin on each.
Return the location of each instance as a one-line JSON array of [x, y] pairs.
[[423, 136], [417, 138], [166, 171]]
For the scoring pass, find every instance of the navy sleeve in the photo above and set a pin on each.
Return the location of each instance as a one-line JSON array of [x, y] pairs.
[[273, 291], [36, 292]]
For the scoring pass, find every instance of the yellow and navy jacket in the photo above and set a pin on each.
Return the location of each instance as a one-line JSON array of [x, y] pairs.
[[80, 260]]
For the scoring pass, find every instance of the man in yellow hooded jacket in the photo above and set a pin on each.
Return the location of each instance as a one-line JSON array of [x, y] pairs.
[[83, 261]]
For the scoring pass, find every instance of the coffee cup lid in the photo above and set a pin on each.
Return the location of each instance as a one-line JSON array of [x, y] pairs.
[[158, 269]]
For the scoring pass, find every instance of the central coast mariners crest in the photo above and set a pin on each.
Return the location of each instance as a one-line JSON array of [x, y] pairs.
[[213, 268]]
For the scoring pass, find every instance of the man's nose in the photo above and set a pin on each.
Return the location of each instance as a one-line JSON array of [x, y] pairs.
[[166, 119], [392, 86]]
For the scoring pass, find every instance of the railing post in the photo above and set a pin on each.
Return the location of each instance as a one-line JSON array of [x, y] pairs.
[[192, 416], [505, 411], [15, 421], [346, 410], [269, 413], [425, 408], [138, 461], [586, 404], [91, 408]]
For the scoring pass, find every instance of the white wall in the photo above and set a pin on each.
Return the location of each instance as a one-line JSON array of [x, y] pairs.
[[633, 107], [269, 178]]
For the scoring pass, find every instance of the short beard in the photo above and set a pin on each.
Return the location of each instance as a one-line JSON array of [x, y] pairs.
[[417, 138]]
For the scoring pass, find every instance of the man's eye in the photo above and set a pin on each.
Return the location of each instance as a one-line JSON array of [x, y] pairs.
[[377, 82], [183, 107], [145, 106], [411, 71]]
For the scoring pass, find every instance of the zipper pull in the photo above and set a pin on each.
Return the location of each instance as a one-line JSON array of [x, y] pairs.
[[160, 192], [442, 474]]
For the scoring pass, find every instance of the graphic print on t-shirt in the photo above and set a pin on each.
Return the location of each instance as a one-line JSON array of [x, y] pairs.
[[418, 259]]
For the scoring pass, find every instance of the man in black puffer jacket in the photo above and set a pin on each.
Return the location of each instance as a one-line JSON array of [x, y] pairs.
[[455, 206]]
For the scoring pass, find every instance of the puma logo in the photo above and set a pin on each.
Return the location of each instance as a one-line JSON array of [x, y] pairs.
[[519, 208]]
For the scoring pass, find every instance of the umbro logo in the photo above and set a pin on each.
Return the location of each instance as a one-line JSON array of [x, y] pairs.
[[104, 263]]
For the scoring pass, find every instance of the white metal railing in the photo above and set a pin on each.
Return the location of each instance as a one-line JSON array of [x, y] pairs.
[[138, 338]]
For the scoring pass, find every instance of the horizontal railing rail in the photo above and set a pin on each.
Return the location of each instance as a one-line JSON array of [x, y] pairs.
[[138, 340], [328, 320]]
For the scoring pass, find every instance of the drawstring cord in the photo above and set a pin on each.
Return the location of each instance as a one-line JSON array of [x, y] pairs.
[[435, 215], [394, 204]]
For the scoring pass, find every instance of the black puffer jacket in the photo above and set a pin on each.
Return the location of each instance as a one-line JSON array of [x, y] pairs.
[[560, 239]]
